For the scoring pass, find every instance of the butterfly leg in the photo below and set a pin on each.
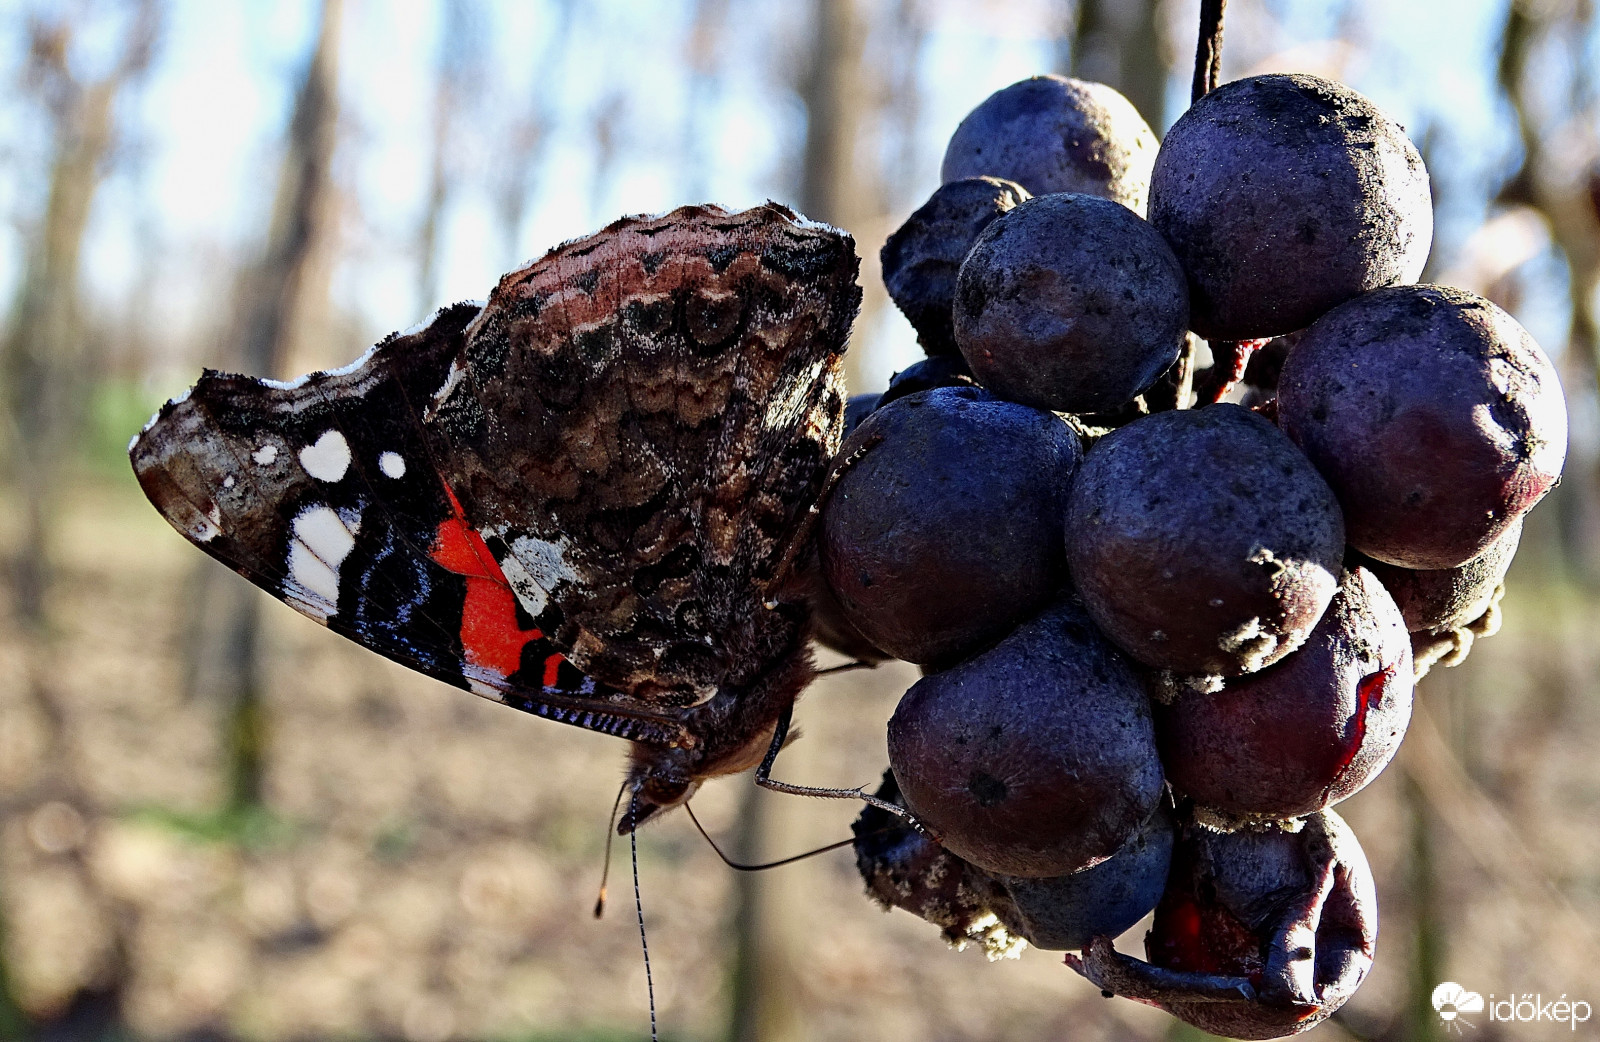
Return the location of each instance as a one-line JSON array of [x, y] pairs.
[[765, 779], [808, 520]]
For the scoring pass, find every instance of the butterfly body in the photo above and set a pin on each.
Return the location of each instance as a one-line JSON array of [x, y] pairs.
[[574, 499]]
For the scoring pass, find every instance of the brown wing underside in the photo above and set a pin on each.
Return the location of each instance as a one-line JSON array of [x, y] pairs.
[[639, 421]]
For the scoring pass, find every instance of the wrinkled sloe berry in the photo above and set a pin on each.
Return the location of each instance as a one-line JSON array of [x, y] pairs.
[[1284, 195], [905, 868], [1260, 934], [1202, 541], [921, 259], [937, 371], [1064, 913], [1434, 416], [1448, 598], [945, 531], [1307, 732], [1055, 134], [1034, 758], [1070, 302]]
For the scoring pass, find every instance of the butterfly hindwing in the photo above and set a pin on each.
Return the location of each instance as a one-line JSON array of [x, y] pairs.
[[636, 425], [325, 492]]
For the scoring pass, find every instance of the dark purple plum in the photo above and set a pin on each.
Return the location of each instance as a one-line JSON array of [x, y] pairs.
[[1260, 934], [1307, 732], [1065, 913], [1449, 598], [1434, 416], [1034, 758], [857, 408], [944, 531], [1071, 303], [1202, 541], [1284, 195], [921, 259], [937, 371], [1055, 134]]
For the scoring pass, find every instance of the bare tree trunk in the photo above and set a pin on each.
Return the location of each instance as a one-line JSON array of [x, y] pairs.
[[457, 80], [1121, 44], [1571, 208], [275, 297], [834, 91], [524, 142]]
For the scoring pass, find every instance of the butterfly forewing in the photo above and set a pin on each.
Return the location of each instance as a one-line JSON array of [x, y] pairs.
[[325, 493]]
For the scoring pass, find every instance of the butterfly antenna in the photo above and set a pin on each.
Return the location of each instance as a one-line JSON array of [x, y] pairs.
[[638, 909], [736, 866], [605, 872]]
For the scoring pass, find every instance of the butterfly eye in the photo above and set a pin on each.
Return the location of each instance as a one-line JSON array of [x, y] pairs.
[[666, 792]]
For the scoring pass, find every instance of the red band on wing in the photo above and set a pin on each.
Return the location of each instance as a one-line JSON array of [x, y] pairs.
[[490, 633]]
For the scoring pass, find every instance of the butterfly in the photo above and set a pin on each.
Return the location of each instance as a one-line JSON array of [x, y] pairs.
[[579, 499]]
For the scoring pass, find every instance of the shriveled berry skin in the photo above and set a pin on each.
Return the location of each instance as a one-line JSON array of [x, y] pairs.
[[1247, 905], [1064, 913], [1308, 731], [1202, 541], [1434, 416], [1284, 195], [1260, 934], [946, 532], [1056, 134], [1448, 598], [937, 371], [1034, 758], [921, 258], [904, 868], [1070, 302]]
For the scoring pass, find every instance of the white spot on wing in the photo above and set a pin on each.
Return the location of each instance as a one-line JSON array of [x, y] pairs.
[[228, 482], [392, 464], [328, 458], [323, 538], [534, 569], [265, 455]]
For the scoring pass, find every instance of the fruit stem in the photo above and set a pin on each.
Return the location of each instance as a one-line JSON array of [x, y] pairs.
[[1208, 49]]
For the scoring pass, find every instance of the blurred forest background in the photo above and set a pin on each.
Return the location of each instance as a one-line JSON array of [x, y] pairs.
[[221, 822]]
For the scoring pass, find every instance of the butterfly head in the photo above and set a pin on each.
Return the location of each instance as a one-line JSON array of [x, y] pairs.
[[658, 780]]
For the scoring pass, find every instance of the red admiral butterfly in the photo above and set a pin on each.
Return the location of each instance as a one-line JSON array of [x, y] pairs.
[[575, 499]]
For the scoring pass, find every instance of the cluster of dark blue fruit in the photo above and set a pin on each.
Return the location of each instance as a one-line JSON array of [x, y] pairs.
[[1162, 632]]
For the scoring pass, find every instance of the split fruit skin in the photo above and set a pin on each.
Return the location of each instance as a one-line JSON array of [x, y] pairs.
[[944, 531], [1057, 134], [1202, 541], [1307, 732], [1283, 196], [1035, 758], [1260, 933], [1072, 303], [921, 258], [1433, 414], [1435, 601]]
